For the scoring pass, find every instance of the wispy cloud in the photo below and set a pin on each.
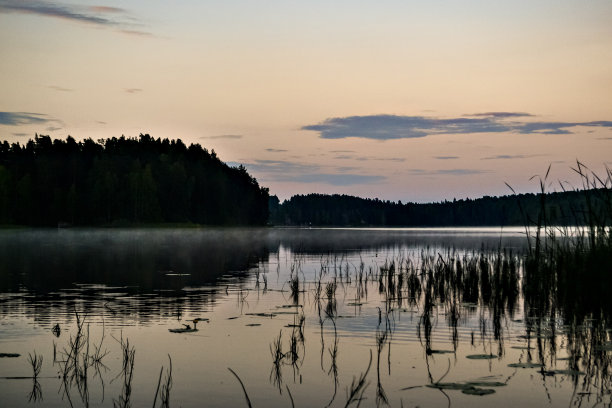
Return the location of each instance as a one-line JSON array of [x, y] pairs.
[[460, 172], [333, 179], [367, 158], [344, 169], [502, 114], [136, 33], [101, 16], [447, 172], [20, 134], [387, 127], [23, 118], [60, 88], [287, 171], [510, 156], [446, 157], [106, 9], [281, 167], [133, 90], [271, 150], [222, 137]]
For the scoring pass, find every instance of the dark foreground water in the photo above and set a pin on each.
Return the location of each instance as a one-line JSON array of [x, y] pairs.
[[309, 317]]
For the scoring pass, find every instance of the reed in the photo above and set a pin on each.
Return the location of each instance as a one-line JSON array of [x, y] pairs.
[[358, 386], [36, 363], [246, 395]]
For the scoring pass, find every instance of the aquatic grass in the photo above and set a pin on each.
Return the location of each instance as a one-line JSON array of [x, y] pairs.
[[566, 274], [276, 349], [294, 288], [36, 361], [165, 391], [246, 395], [128, 354], [358, 386]]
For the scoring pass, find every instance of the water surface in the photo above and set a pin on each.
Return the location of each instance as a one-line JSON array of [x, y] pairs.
[[297, 314]]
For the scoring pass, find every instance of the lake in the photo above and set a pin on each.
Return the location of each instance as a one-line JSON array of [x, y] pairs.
[[290, 317]]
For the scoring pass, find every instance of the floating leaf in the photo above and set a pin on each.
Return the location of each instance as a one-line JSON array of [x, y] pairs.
[[525, 365], [440, 352], [477, 391], [486, 384], [9, 355], [253, 324], [448, 386], [567, 372], [270, 315], [481, 356]]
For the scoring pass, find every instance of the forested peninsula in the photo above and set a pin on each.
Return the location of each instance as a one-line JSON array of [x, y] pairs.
[[124, 181], [146, 181]]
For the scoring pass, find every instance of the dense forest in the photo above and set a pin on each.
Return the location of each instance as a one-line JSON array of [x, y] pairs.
[[124, 181], [563, 208]]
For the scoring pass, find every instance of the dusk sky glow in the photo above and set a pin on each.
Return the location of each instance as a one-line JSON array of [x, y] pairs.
[[400, 100]]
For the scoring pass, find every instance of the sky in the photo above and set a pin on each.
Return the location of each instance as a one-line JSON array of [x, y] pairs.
[[399, 100]]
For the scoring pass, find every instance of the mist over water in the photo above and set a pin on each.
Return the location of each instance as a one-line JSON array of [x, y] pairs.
[[426, 317]]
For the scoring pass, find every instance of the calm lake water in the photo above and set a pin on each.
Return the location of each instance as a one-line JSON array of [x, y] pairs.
[[309, 317]]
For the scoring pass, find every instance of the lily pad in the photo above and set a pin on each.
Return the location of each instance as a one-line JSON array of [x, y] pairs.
[[568, 372], [481, 356], [486, 384], [525, 365], [440, 352], [477, 391], [270, 315], [448, 386], [253, 324], [9, 355]]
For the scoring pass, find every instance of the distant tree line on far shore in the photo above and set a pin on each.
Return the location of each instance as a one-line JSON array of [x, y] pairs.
[[124, 181], [136, 181], [560, 208]]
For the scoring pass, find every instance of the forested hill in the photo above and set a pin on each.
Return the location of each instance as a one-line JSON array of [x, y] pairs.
[[122, 181], [565, 208]]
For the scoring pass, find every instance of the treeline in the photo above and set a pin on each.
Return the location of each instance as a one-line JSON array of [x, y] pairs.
[[563, 208], [124, 181]]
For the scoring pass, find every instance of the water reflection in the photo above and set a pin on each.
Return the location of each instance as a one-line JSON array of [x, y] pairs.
[[339, 317], [147, 273]]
